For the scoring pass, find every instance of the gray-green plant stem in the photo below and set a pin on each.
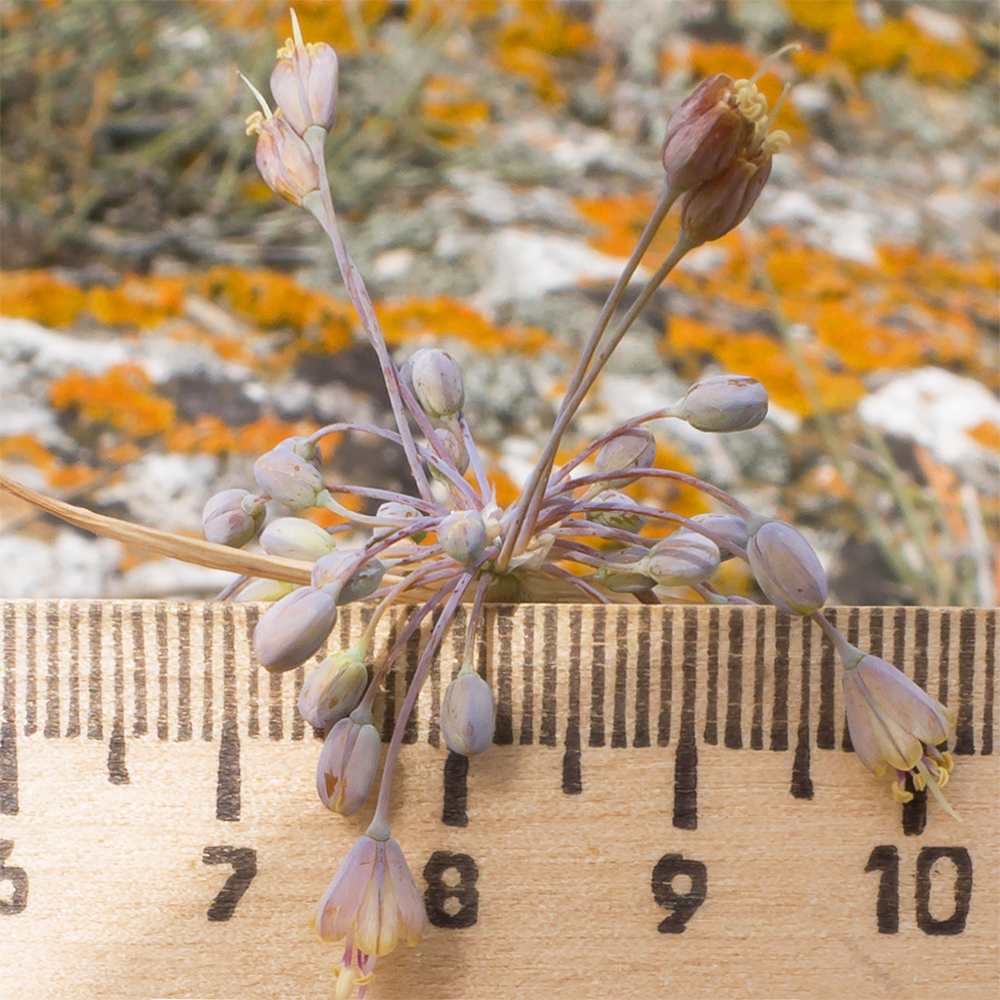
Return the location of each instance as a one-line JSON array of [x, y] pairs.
[[381, 818], [538, 477], [358, 293], [526, 518]]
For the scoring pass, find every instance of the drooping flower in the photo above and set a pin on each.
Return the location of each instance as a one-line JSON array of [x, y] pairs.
[[371, 904], [895, 724]]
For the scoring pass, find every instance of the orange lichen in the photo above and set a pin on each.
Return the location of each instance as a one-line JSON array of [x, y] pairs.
[[669, 494], [538, 35], [122, 398], [40, 296], [136, 301], [821, 15], [987, 434], [206, 434], [264, 433], [620, 220], [27, 449], [453, 110], [412, 319]]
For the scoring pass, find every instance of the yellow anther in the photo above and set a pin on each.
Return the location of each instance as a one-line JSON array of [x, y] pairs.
[[919, 782], [900, 794], [254, 122]]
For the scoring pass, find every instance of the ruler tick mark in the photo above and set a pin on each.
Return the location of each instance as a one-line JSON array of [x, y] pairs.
[[162, 655], [641, 737], [964, 742], [52, 673], [712, 680], [757, 725], [779, 712], [227, 789], [597, 665], [95, 723], [802, 785], [528, 690], [734, 683], [31, 656], [8, 724], [618, 736], [550, 641], [139, 724], [503, 732], [73, 709], [456, 793], [666, 678], [572, 775], [117, 772], [183, 674], [990, 658], [686, 761]]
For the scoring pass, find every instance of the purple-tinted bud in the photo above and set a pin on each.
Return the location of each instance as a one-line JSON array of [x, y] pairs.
[[467, 714], [304, 82], [622, 582], [681, 560], [264, 590], [463, 536], [347, 764], [393, 510], [632, 449], [723, 403], [285, 162], [296, 538], [719, 205], [232, 517], [705, 133], [332, 573], [289, 478], [786, 568], [294, 628], [728, 528], [624, 519], [334, 688], [437, 382], [455, 448]]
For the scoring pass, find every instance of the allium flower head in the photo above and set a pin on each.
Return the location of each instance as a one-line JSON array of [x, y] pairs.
[[895, 724]]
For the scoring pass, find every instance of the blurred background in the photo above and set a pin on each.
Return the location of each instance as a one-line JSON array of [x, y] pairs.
[[164, 318]]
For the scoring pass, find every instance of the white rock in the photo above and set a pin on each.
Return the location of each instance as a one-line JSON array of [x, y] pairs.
[[935, 408], [23, 341], [529, 265], [72, 566], [166, 491]]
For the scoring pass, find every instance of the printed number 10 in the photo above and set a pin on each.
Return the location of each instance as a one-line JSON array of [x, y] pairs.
[[885, 859]]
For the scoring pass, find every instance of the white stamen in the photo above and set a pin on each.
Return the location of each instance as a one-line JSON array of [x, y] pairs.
[[260, 97], [296, 31], [772, 59]]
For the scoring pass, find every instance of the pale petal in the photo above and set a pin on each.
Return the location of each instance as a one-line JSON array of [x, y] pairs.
[[877, 739], [899, 697], [411, 904], [339, 905], [286, 93]]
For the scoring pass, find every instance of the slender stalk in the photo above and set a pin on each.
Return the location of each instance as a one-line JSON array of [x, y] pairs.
[[381, 817], [358, 293], [531, 497]]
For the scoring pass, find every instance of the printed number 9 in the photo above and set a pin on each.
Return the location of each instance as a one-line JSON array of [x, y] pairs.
[[682, 906]]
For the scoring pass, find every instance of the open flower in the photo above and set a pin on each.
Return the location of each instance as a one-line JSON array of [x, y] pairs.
[[895, 724], [371, 904]]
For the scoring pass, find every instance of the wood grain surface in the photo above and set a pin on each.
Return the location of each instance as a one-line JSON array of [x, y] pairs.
[[670, 809]]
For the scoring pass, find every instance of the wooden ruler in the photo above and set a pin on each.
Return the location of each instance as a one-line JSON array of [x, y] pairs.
[[671, 808]]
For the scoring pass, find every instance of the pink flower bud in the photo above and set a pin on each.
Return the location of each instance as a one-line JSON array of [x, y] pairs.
[[347, 764], [284, 160], [624, 518], [232, 517], [723, 403], [295, 538], [304, 82], [726, 528], [289, 478], [372, 900], [468, 716], [333, 689], [632, 449], [437, 382], [722, 203], [705, 134], [681, 559], [455, 448], [463, 536], [333, 574], [294, 628], [786, 568]]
